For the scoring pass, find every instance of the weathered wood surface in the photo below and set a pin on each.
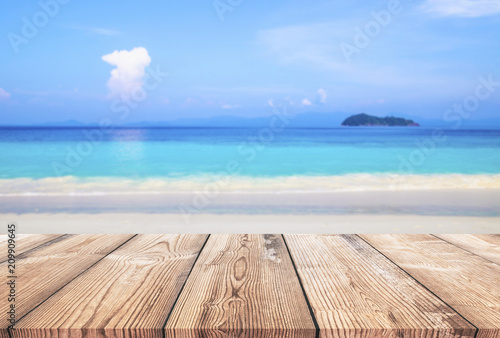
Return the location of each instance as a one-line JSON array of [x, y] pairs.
[[468, 283], [247, 286], [43, 271], [24, 243], [129, 293], [486, 246], [242, 286], [355, 291]]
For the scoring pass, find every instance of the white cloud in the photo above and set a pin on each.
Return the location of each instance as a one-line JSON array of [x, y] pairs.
[[462, 8], [270, 103], [322, 96], [4, 95], [130, 70], [306, 102], [230, 106]]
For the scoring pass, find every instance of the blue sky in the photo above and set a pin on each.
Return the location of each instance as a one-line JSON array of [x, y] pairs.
[[240, 57]]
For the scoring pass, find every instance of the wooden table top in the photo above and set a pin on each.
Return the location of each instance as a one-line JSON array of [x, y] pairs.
[[253, 286]]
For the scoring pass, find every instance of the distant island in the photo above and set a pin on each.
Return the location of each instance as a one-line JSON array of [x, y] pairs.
[[369, 120]]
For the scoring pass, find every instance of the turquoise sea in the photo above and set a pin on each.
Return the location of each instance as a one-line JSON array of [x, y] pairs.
[[92, 160]]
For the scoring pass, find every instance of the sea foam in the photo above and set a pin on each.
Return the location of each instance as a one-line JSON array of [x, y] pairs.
[[70, 185]]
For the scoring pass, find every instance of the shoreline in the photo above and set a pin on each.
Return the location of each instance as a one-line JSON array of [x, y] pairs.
[[457, 202], [225, 182], [429, 211], [127, 223]]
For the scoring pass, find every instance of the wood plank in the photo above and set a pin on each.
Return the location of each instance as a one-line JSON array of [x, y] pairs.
[[486, 246], [355, 291], [468, 283], [42, 272], [242, 286], [24, 243], [127, 294]]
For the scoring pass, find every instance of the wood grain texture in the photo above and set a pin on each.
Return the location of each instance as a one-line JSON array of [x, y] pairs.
[[242, 286], [127, 294], [45, 270], [24, 243], [355, 291], [468, 283], [486, 246]]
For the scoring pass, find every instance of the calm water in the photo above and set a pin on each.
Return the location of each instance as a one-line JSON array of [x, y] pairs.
[[52, 155]]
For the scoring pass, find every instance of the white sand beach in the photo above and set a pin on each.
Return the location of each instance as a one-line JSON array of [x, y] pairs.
[[429, 211], [244, 223]]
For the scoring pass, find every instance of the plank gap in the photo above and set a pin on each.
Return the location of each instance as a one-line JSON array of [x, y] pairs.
[[302, 288], [425, 287], [464, 249], [42, 245], [242, 285], [183, 284], [52, 294]]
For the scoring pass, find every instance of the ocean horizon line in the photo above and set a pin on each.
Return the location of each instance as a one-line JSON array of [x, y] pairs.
[[295, 120]]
